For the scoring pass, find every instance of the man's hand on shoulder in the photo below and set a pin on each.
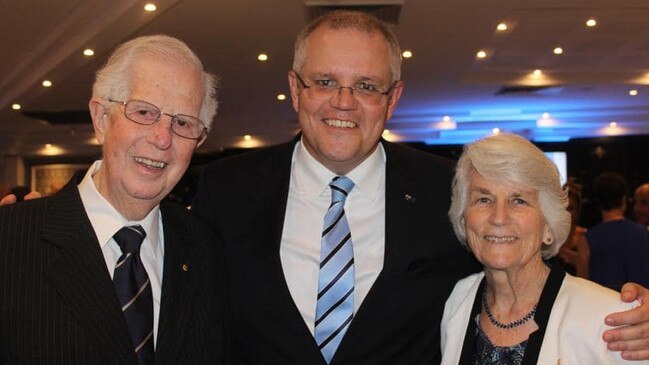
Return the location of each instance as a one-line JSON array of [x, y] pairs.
[[632, 335], [11, 198]]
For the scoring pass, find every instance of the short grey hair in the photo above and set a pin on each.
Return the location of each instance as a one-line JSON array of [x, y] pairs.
[[113, 79], [512, 159], [357, 20]]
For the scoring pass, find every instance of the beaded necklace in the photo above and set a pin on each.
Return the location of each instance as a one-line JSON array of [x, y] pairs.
[[506, 326]]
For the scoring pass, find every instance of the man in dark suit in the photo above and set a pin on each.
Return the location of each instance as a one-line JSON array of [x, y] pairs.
[[269, 206], [102, 272]]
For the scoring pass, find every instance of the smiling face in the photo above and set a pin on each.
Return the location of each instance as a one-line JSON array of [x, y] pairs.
[[141, 164], [342, 131], [505, 226]]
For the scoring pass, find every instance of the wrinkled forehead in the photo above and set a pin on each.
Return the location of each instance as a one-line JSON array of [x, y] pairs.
[[164, 81], [493, 180]]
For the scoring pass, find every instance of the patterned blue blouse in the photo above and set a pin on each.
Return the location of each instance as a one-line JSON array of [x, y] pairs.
[[487, 354]]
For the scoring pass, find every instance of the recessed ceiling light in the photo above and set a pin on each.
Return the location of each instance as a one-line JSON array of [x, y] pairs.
[[545, 121], [495, 130], [537, 73], [613, 124], [150, 7], [51, 150], [88, 52], [446, 123], [633, 92], [247, 137], [281, 97], [558, 50], [501, 27], [481, 54], [591, 22], [262, 57], [15, 106], [47, 83], [406, 54]]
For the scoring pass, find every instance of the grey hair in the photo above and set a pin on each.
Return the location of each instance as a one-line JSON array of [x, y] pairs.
[[113, 79], [512, 159], [357, 20]]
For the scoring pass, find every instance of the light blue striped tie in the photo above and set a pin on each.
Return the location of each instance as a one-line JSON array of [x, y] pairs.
[[335, 306]]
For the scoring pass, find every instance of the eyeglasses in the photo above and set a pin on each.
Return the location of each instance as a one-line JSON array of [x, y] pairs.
[[144, 113], [325, 89]]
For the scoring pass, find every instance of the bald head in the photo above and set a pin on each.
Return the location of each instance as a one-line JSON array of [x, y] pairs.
[[641, 204]]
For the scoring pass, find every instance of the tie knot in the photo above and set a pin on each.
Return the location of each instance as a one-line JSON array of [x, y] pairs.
[[130, 238], [340, 188]]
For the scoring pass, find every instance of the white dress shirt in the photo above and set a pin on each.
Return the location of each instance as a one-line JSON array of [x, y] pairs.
[[106, 221], [309, 198]]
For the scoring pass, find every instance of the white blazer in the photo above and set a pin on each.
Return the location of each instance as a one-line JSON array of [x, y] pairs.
[[574, 330]]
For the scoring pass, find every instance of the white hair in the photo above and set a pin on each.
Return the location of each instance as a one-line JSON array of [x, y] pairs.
[[113, 79]]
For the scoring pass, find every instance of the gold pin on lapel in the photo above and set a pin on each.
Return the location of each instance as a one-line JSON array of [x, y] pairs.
[[185, 267]]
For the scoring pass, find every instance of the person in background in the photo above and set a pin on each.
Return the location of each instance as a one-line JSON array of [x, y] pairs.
[[509, 208], [103, 272], [276, 210], [641, 205], [575, 252], [619, 247]]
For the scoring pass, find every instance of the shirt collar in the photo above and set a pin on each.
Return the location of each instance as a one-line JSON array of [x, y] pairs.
[[312, 178], [106, 220]]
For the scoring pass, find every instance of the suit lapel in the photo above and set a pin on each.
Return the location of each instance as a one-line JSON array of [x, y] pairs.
[[178, 285], [400, 206], [79, 274], [272, 221]]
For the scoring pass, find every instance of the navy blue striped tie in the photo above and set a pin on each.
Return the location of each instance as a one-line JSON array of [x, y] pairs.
[[335, 305], [134, 291]]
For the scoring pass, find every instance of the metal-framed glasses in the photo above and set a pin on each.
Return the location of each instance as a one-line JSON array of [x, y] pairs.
[[324, 89], [142, 112]]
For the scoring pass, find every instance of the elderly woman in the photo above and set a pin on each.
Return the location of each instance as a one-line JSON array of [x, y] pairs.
[[509, 207]]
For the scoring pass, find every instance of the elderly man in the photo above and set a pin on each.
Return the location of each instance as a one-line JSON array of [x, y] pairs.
[[103, 272], [641, 204], [299, 291]]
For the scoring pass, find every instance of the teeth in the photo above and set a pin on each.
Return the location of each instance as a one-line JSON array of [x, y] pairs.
[[150, 163], [496, 239], [340, 123]]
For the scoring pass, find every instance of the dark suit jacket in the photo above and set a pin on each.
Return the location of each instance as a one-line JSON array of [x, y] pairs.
[[244, 198], [58, 304]]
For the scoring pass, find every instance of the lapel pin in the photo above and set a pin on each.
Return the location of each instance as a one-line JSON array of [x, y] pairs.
[[409, 198], [185, 267]]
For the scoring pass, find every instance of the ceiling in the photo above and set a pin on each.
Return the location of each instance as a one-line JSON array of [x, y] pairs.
[[585, 88]]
